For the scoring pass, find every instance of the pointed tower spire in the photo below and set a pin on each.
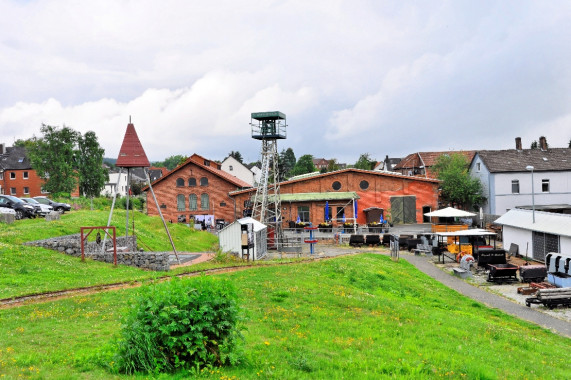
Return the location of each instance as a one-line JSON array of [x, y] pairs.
[[132, 154]]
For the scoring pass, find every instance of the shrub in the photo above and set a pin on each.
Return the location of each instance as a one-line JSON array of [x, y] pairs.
[[180, 324], [134, 203]]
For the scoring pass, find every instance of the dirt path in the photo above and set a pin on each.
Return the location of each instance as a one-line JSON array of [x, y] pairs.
[[12, 302]]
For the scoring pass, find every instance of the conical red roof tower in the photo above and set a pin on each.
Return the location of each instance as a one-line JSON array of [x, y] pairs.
[[132, 154]]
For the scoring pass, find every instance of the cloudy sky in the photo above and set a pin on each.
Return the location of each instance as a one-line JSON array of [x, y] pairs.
[[377, 77]]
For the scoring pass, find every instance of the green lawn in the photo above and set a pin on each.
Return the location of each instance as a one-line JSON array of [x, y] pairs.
[[353, 317], [29, 270]]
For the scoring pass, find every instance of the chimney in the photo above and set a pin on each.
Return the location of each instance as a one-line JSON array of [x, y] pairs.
[[543, 143], [518, 143]]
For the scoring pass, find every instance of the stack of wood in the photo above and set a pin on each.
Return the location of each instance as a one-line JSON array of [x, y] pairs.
[[551, 297]]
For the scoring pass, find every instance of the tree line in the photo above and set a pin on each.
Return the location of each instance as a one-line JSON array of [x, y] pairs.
[[67, 160]]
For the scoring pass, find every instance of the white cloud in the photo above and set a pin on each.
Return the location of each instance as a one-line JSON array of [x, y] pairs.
[[386, 77]]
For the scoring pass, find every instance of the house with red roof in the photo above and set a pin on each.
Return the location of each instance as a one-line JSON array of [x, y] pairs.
[[421, 163], [197, 189]]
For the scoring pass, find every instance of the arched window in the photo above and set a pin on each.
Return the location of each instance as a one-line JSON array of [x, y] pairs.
[[179, 182], [192, 181], [192, 202], [204, 181], [180, 206], [204, 202]]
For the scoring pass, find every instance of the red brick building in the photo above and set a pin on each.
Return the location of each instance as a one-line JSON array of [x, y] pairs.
[[195, 189], [17, 177], [399, 198], [421, 163]]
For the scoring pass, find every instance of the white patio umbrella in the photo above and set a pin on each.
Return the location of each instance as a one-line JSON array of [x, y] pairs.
[[450, 212]]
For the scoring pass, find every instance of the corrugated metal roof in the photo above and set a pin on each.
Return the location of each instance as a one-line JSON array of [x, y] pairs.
[[258, 226], [313, 197], [547, 222]]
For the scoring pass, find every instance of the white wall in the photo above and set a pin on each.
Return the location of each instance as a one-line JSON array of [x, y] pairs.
[[480, 171], [522, 237], [232, 166], [559, 189], [565, 245], [517, 236], [110, 187]]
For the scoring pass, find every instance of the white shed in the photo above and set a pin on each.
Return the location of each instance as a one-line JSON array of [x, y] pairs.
[[230, 238], [549, 233]]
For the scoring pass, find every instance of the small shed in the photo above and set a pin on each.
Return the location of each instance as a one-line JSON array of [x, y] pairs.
[[536, 233], [231, 240]]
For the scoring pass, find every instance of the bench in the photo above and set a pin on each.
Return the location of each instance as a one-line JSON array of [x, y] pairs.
[[462, 273], [423, 249], [551, 298]]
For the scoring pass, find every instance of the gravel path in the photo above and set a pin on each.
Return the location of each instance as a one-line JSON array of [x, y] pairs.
[[491, 300]]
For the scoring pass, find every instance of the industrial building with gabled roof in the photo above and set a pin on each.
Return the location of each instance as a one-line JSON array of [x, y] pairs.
[[197, 189], [400, 199]]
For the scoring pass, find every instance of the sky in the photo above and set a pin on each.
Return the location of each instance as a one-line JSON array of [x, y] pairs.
[[353, 77]]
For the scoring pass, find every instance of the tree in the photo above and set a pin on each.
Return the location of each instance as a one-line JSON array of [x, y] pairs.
[[332, 165], [53, 158], [534, 144], [171, 162], [236, 156], [304, 165], [89, 159], [458, 187], [570, 143], [365, 162], [286, 163]]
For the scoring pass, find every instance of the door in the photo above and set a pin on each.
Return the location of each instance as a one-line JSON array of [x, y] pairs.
[[543, 243], [403, 209]]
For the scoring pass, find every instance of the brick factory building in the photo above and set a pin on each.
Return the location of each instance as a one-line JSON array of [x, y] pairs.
[[197, 189], [400, 199]]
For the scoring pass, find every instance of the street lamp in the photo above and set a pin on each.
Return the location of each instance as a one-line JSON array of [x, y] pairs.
[[530, 168]]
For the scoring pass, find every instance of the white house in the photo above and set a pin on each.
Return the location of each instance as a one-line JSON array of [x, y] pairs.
[[234, 167], [550, 233], [117, 184], [230, 238], [507, 178]]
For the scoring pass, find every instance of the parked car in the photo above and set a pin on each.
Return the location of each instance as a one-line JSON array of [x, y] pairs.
[[40, 209], [59, 207], [22, 209]]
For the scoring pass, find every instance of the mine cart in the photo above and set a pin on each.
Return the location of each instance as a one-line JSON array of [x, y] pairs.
[[532, 273], [502, 273]]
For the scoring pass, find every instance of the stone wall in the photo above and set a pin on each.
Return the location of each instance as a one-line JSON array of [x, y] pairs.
[[127, 253]]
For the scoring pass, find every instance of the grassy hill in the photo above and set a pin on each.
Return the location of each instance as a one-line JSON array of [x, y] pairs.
[[354, 317], [28, 270]]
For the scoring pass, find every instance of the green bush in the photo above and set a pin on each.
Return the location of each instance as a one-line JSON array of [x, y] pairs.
[[180, 324], [134, 203]]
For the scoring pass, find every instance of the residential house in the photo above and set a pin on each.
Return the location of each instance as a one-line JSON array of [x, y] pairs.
[[234, 167], [421, 163], [399, 198], [387, 164], [320, 163], [17, 177], [549, 232], [323, 164], [507, 182], [197, 189]]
